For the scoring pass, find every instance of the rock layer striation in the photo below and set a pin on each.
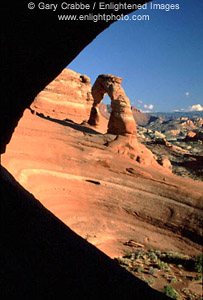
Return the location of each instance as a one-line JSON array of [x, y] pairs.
[[67, 96]]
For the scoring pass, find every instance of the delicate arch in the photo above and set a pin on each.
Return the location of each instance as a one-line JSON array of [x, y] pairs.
[[121, 120]]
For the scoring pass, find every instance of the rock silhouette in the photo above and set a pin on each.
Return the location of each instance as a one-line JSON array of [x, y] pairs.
[[121, 120]]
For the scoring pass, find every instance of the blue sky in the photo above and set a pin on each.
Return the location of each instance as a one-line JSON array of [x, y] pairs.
[[160, 60]]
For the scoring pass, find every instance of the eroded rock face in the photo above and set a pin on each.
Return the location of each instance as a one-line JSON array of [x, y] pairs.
[[130, 147], [121, 120], [194, 136], [67, 96], [165, 162]]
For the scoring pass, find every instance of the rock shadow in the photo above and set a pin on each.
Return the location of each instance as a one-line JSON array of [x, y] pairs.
[[69, 123], [194, 166]]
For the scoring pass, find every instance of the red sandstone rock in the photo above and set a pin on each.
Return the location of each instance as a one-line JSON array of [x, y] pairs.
[[130, 147], [187, 124], [194, 136], [190, 134], [165, 162], [121, 119], [67, 96], [101, 192], [173, 132], [140, 117]]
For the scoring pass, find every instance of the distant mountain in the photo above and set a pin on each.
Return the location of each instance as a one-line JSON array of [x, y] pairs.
[[174, 115], [144, 119], [141, 118]]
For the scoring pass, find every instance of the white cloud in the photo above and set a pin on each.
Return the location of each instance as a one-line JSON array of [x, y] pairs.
[[187, 94], [196, 107], [150, 106]]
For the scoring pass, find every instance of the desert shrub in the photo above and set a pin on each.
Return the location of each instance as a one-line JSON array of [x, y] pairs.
[[157, 252], [139, 254], [152, 271], [170, 292], [198, 277], [149, 281], [152, 255], [177, 258], [162, 266], [198, 263], [173, 279], [140, 269]]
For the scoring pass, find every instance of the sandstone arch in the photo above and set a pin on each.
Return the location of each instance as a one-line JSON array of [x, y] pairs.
[[36, 47], [121, 121]]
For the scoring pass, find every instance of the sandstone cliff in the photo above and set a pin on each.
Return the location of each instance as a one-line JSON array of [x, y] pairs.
[[68, 96]]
